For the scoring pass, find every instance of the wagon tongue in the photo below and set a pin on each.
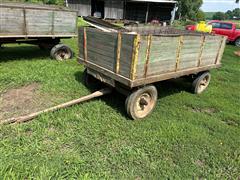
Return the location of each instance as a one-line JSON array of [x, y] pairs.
[[103, 25]]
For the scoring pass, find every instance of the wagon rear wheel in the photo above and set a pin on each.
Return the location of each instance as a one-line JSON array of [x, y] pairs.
[[61, 52], [201, 83], [141, 102]]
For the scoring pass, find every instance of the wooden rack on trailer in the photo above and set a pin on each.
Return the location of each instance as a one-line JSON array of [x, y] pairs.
[[40, 25], [132, 62]]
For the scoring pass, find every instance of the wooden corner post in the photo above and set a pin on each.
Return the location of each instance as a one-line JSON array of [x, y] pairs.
[[201, 50], [119, 46], [136, 46], [179, 49]]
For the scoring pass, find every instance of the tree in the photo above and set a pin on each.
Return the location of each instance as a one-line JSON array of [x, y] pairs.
[[200, 16], [236, 12], [219, 16], [229, 14], [189, 8]]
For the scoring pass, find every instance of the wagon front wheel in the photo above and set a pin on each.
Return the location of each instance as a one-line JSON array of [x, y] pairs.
[[201, 83], [141, 102], [61, 52]]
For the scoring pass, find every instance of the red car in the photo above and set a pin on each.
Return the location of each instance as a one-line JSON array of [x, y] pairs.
[[228, 29]]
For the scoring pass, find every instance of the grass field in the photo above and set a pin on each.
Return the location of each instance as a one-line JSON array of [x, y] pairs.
[[187, 135]]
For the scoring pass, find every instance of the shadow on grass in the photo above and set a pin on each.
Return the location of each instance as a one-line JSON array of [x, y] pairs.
[[16, 52], [165, 88], [173, 86], [114, 100]]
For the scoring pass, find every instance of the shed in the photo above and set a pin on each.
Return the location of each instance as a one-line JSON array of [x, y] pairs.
[[136, 10]]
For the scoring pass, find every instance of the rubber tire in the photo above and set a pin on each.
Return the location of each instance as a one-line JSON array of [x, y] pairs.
[[58, 48], [133, 97], [197, 81], [237, 42], [91, 82]]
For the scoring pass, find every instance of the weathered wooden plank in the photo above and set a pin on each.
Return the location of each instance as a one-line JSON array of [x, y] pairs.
[[11, 22]]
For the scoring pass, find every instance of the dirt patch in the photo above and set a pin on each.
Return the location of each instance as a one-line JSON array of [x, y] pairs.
[[209, 111], [21, 101]]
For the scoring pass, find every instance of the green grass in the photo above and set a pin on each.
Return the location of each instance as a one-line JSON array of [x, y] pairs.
[[187, 135], [81, 22]]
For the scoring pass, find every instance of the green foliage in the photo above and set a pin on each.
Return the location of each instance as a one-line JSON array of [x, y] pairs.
[[219, 16], [188, 9], [200, 16], [187, 136], [181, 24], [228, 15], [81, 22], [53, 2], [209, 15], [236, 12]]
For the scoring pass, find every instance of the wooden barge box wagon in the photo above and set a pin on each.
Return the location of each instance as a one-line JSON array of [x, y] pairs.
[[41, 25], [132, 62]]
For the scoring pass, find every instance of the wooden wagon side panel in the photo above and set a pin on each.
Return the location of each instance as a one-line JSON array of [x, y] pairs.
[[64, 23], [111, 51], [11, 22], [190, 52], [126, 55], [162, 56], [211, 50], [23, 20], [142, 57], [101, 48], [81, 42], [39, 22]]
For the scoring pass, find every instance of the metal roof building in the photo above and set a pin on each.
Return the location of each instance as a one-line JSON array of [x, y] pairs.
[[137, 10]]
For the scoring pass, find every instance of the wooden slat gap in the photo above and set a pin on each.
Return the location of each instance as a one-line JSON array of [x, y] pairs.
[[53, 17], [25, 23]]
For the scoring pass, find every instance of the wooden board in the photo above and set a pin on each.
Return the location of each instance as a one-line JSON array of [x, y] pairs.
[[33, 21]]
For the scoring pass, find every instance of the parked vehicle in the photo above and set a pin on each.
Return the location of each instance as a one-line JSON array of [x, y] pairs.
[[40, 25], [228, 29], [131, 62]]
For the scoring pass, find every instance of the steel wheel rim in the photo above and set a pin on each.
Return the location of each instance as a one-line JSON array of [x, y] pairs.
[[203, 84], [144, 105]]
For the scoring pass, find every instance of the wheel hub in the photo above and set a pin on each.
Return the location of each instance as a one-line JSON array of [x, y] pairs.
[[144, 104], [203, 84], [62, 54]]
